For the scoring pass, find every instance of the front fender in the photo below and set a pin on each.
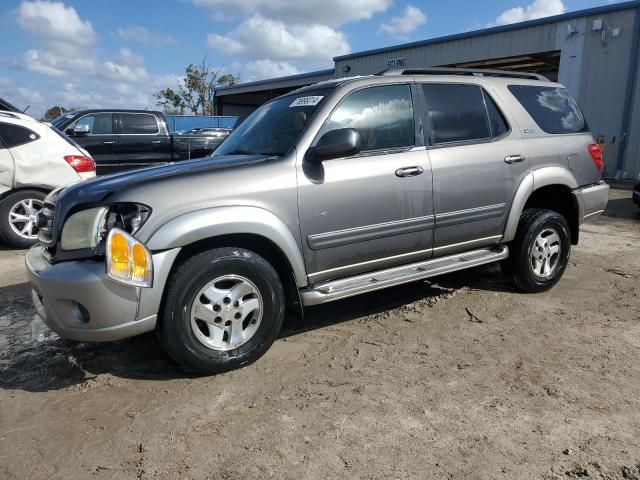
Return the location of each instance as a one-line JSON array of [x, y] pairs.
[[214, 222]]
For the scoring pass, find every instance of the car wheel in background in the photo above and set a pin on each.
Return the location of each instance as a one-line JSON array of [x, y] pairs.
[[18, 217], [223, 309]]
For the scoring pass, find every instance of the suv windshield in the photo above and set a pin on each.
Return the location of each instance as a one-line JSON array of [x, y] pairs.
[[272, 128]]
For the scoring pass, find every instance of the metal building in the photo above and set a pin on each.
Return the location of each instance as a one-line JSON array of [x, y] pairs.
[[593, 52]]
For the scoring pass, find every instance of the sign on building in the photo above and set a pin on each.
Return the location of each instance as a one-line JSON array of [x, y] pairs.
[[397, 63]]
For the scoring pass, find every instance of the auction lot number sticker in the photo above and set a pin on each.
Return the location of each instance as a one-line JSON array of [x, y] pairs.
[[306, 101]]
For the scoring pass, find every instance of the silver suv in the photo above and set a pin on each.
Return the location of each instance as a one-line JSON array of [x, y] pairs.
[[336, 189]]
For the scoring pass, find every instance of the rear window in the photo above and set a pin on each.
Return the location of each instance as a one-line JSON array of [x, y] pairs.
[[552, 108], [138, 124]]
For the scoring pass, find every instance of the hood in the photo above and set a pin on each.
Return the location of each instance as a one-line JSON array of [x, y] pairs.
[[97, 190]]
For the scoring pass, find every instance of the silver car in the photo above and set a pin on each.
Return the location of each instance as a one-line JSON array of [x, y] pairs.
[[336, 189]]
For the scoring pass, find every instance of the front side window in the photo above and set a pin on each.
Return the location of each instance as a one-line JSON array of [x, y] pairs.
[[456, 112], [14, 135], [99, 123], [138, 124], [274, 127], [552, 108], [382, 115]]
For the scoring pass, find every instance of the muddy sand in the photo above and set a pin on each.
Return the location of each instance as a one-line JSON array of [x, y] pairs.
[[458, 378]]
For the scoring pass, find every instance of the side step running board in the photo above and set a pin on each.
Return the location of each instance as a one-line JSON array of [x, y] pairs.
[[368, 282]]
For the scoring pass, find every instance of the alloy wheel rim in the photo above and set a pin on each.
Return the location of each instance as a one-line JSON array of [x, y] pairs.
[[545, 253], [22, 218], [226, 313]]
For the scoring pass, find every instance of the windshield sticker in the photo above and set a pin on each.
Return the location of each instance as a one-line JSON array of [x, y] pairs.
[[306, 101]]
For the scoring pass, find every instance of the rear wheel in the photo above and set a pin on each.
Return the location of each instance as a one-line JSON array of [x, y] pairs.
[[223, 309], [540, 251], [18, 217]]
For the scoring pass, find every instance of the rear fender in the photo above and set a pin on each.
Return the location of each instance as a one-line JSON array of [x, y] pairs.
[[532, 182]]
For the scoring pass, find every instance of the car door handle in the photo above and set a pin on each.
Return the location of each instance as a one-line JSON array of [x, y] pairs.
[[409, 171], [513, 159], [155, 141], [110, 142]]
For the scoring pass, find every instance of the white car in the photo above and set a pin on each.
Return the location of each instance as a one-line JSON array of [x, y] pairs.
[[35, 158]]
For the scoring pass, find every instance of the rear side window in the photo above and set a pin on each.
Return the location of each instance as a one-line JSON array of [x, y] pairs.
[[457, 112], [138, 124], [382, 115], [14, 135], [552, 108]]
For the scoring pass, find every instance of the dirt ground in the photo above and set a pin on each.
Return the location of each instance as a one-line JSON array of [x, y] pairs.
[[462, 377]]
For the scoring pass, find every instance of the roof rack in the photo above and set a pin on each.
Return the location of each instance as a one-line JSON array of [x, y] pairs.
[[464, 71]]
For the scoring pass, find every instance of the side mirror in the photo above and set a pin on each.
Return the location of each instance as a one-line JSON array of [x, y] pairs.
[[342, 142], [81, 129]]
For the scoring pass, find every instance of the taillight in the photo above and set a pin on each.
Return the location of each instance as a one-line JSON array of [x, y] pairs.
[[596, 155], [80, 163]]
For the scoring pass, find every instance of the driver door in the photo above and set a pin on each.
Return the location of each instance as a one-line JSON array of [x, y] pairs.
[[374, 209]]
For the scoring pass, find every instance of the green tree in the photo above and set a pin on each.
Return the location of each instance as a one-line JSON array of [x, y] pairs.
[[197, 89], [170, 100], [54, 112]]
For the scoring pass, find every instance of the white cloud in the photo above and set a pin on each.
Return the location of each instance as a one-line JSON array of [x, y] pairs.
[[128, 67], [137, 33], [55, 21], [328, 12], [265, 68], [259, 38], [48, 62], [537, 9], [409, 21]]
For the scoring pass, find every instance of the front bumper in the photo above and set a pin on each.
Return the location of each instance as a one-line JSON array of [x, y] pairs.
[[78, 301], [591, 200]]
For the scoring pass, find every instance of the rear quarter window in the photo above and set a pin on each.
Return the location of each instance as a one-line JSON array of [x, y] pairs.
[[14, 135], [552, 108]]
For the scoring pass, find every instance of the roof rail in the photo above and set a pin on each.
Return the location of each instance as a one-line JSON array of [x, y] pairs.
[[8, 114], [464, 71]]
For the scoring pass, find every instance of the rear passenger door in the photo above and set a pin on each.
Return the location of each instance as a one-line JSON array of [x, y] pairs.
[[477, 161], [141, 141]]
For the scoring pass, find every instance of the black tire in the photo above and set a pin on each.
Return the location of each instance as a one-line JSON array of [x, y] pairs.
[[519, 265], [175, 331], [7, 234]]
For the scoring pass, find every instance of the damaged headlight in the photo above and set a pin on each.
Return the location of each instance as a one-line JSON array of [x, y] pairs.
[[88, 229]]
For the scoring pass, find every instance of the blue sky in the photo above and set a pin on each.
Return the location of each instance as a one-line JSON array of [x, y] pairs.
[[117, 53]]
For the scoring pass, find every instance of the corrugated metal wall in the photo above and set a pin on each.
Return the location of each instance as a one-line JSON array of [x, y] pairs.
[[277, 83], [505, 44], [603, 82]]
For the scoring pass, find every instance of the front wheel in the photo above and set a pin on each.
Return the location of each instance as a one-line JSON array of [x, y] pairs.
[[540, 250], [223, 309]]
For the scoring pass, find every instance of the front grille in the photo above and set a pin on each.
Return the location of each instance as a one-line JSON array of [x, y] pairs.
[[46, 224]]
